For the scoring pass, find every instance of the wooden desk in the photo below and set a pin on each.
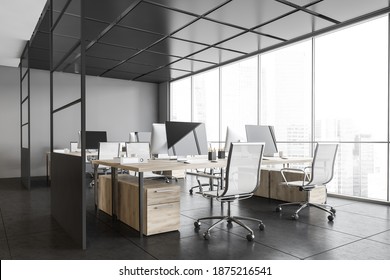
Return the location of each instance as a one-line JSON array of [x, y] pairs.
[[167, 165], [150, 166]]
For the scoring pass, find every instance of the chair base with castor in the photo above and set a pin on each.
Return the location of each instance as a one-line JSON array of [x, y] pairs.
[[200, 185], [230, 219], [320, 173], [303, 205]]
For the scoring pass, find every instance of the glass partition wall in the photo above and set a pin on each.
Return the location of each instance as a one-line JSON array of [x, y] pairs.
[[331, 88]]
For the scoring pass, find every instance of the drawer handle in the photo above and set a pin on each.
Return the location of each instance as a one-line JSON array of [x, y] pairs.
[[163, 206], [163, 191]]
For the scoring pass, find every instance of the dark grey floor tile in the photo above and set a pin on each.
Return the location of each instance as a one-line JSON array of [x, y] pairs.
[[367, 209], [296, 238], [359, 250], [383, 237], [345, 222], [5, 254], [44, 245], [30, 233], [113, 246], [29, 224], [221, 246]]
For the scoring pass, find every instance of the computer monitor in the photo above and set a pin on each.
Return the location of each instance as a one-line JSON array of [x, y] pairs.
[[186, 138], [159, 145], [233, 136], [140, 137], [263, 133], [93, 138]]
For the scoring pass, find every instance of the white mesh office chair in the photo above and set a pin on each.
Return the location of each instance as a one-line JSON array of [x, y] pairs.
[[141, 150], [107, 150], [242, 180], [318, 174]]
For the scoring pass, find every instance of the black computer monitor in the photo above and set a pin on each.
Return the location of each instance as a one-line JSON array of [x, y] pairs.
[[93, 138], [263, 133], [186, 138]]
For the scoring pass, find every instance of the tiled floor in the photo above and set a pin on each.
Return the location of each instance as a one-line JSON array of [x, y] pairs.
[[359, 231]]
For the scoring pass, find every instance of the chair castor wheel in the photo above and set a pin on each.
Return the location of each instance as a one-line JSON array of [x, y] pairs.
[[250, 237], [295, 216], [261, 226]]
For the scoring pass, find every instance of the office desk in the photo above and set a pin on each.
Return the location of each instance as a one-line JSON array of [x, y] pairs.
[[150, 166], [167, 165]]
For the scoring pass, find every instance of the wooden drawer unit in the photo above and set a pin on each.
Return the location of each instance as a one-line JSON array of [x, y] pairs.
[[263, 189], [282, 192], [161, 203]]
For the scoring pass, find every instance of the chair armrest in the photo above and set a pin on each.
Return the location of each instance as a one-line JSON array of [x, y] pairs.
[[205, 175], [296, 170]]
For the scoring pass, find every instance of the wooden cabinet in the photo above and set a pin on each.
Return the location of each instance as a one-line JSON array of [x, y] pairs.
[[282, 192], [161, 203], [263, 189]]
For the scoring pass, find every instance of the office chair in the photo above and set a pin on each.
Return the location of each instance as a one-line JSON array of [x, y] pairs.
[[107, 150], [318, 174], [141, 150], [242, 180]]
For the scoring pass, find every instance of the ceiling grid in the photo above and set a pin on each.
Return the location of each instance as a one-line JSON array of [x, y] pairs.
[[163, 40]]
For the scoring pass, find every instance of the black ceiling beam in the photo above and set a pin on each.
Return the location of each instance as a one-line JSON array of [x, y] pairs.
[[304, 9]]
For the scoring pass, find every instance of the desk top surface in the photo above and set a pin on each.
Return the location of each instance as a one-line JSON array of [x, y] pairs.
[[166, 165]]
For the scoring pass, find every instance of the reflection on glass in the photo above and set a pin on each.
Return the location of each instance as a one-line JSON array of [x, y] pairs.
[[351, 105], [351, 83], [286, 95], [361, 171], [181, 100], [206, 102], [239, 94]]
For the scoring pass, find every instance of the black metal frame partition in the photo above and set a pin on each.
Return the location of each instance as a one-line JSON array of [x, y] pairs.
[[25, 127], [68, 183]]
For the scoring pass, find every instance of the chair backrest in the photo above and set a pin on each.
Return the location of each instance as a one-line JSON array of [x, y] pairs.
[[323, 164], [108, 150], [140, 136], [138, 149], [74, 147], [243, 168]]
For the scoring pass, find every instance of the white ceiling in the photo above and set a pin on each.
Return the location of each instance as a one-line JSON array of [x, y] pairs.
[[18, 19]]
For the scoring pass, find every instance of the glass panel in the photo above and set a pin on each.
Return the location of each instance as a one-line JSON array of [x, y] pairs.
[[25, 112], [361, 170], [351, 83], [67, 89], [239, 95], [181, 100], [206, 102], [286, 96], [25, 87], [24, 61], [66, 126], [25, 136]]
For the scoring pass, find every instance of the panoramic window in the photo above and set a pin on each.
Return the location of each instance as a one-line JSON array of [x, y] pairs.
[[351, 105]]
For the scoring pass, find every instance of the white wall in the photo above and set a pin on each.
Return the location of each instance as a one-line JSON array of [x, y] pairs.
[[116, 106]]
